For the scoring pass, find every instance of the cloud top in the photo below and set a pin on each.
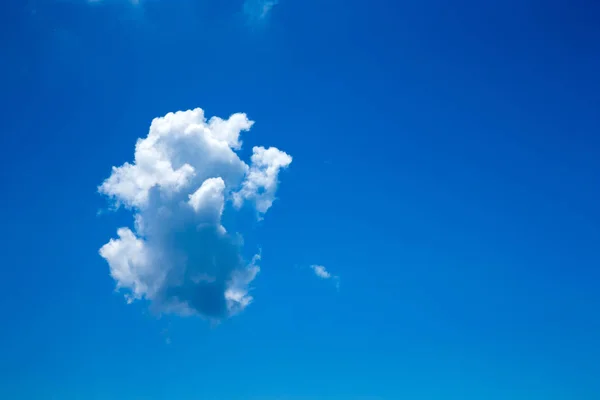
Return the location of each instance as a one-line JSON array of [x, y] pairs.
[[178, 255]]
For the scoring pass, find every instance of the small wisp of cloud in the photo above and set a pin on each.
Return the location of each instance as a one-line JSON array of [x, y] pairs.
[[258, 10], [321, 272], [134, 2], [255, 12]]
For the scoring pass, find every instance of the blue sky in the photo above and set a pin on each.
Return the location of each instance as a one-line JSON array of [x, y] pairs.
[[433, 235]]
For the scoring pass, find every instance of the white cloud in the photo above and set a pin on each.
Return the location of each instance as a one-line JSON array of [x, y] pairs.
[[179, 256], [209, 198], [322, 273], [261, 181]]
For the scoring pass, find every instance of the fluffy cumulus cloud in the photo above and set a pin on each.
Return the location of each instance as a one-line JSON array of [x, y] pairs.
[[178, 255]]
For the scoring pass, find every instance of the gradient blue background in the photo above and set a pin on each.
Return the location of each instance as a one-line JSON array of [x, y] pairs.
[[446, 166]]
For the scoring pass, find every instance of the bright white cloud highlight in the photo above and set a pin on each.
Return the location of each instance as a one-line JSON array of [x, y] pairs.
[[179, 256]]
